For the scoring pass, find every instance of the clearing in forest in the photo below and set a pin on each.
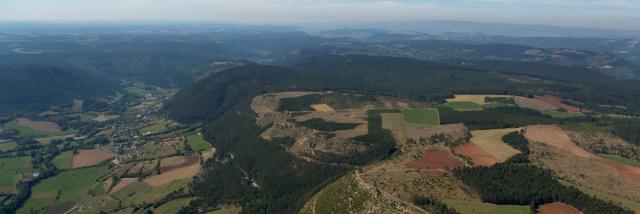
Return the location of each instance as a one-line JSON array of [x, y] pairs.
[[91, 157], [322, 108]]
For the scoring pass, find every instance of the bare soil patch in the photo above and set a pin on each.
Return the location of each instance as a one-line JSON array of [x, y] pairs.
[[42, 126], [560, 103], [436, 159], [478, 156], [90, 157], [557, 208], [124, 182]]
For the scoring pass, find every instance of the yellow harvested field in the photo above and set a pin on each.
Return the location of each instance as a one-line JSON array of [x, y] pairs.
[[475, 98], [322, 108], [123, 183], [173, 175], [491, 142]]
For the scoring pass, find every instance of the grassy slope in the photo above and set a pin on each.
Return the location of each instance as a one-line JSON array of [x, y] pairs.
[[61, 192]]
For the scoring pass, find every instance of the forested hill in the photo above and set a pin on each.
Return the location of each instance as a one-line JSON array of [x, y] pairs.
[[221, 101], [26, 84]]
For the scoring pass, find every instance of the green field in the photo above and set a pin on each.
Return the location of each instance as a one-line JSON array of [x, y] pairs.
[[11, 170], [9, 145], [422, 116], [156, 127], [463, 106], [140, 192], [172, 206], [63, 160], [495, 105], [560, 114], [623, 160], [197, 142], [25, 131], [29, 132], [486, 208], [59, 193]]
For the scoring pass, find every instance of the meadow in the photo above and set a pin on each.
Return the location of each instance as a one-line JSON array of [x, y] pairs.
[[11, 170], [59, 193], [63, 160], [197, 142], [422, 116]]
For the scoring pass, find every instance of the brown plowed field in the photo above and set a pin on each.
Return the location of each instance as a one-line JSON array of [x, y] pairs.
[[436, 159], [555, 136], [558, 102], [38, 125], [173, 175], [477, 155], [190, 160], [6, 189], [90, 157], [557, 208]]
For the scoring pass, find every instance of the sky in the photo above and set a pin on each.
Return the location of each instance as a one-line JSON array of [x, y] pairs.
[[611, 14]]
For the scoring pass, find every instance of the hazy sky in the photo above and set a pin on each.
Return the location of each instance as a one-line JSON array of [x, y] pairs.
[[624, 14]]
